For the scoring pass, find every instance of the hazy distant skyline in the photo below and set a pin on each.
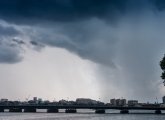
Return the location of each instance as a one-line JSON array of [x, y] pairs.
[[60, 49]]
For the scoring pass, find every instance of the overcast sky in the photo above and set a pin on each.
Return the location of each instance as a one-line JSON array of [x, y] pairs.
[[65, 49]]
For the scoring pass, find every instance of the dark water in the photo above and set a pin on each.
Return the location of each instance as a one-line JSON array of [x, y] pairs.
[[82, 116]]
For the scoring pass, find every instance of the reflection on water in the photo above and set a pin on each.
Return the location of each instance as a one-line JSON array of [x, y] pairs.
[[83, 115]]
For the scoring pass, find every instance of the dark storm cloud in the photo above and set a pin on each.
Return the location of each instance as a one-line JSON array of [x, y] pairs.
[[92, 39], [9, 51], [59, 10], [18, 41], [8, 31], [70, 10]]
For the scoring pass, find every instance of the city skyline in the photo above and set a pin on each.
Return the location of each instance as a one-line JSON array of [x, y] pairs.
[[82, 49]]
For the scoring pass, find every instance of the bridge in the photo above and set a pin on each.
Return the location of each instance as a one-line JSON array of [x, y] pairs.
[[73, 108]]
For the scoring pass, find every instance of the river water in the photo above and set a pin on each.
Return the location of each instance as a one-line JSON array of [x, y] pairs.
[[112, 115]]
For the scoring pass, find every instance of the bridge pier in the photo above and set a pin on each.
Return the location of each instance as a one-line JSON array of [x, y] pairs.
[[100, 111], [31, 110], [2, 110], [124, 111], [158, 112], [52, 110], [70, 111], [15, 110]]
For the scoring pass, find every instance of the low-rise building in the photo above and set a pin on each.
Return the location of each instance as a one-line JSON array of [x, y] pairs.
[[39, 101], [86, 101], [63, 102], [113, 101], [118, 102], [35, 99], [4, 100], [132, 102], [123, 102]]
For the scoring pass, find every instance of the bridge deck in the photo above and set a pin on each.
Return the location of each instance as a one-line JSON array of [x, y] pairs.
[[78, 107]]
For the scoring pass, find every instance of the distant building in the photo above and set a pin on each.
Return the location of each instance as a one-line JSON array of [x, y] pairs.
[[132, 102], [150, 105], [39, 100], [113, 101], [123, 102], [86, 101], [4, 100], [46, 102], [163, 99], [63, 102], [71, 102], [35, 99], [118, 102], [31, 102]]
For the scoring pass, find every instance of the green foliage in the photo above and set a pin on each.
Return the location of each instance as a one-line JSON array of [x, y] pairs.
[[163, 75], [162, 66], [162, 63]]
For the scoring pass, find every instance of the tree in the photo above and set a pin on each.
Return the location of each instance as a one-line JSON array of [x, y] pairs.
[[162, 65]]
